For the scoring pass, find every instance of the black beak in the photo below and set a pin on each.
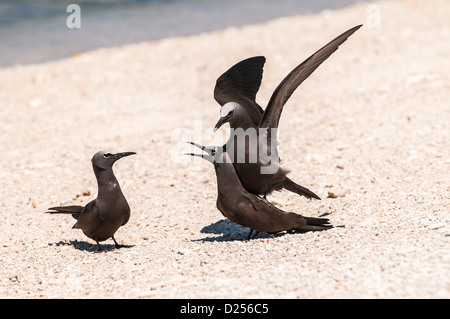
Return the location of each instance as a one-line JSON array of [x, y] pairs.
[[208, 156], [120, 155], [197, 145], [221, 122]]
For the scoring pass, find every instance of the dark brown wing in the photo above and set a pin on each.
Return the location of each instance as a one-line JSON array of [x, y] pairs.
[[290, 83], [241, 80], [240, 84], [89, 219], [266, 217]]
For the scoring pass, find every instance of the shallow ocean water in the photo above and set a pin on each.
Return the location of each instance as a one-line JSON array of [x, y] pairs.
[[33, 31]]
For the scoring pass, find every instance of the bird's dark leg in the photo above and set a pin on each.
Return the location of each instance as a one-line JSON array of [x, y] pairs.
[[99, 248], [115, 243], [264, 199], [250, 234]]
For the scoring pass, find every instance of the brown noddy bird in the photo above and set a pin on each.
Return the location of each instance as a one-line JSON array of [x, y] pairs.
[[250, 210], [236, 90], [102, 217]]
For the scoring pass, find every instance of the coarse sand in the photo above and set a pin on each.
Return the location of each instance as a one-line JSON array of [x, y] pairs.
[[368, 132]]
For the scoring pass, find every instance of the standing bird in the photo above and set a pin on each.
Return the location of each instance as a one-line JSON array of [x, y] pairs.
[[250, 210], [235, 91], [102, 217]]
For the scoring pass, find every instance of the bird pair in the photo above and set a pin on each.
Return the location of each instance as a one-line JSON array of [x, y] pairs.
[[239, 182]]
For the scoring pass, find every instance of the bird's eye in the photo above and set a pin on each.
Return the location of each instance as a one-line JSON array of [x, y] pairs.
[[213, 152], [106, 155], [231, 112]]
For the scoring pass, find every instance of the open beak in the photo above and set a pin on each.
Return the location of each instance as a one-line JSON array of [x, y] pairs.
[[208, 156], [198, 145]]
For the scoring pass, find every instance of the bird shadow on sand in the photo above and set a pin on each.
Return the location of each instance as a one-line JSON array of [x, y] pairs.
[[90, 247], [229, 231]]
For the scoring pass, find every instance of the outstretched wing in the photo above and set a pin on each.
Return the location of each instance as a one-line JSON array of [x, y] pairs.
[[283, 92], [240, 84]]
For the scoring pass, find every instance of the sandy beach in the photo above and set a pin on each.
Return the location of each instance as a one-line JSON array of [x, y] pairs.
[[368, 132]]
